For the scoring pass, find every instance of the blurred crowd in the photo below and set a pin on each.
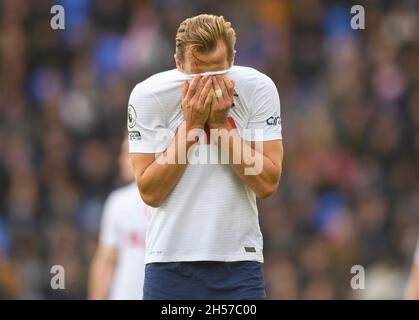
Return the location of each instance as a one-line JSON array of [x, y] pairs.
[[349, 194]]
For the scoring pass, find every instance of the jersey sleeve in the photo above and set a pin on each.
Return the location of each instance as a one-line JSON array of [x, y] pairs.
[[146, 123], [265, 113], [109, 233]]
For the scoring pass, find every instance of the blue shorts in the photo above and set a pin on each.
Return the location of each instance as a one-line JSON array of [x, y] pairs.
[[204, 280]]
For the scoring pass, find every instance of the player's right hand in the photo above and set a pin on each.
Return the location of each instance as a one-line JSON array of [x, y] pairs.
[[196, 101]]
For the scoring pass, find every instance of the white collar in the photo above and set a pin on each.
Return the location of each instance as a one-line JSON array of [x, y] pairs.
[[209, 73]]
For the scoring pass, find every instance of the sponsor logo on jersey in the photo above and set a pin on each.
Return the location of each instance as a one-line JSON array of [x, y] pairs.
[[135, 239], [273, 120], [134, 135]]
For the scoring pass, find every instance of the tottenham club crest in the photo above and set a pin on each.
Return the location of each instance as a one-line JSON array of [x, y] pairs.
[[132, 116]]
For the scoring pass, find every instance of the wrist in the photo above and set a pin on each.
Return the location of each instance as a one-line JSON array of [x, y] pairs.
[[191, 133], [219, 125], [193, 126]]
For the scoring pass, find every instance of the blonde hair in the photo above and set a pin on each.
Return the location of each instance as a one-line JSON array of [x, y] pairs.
[[202, 33]]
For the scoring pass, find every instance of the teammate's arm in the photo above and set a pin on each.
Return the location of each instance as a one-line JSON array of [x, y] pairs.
[[267, 161], [101, 272], [155, 178], [412, 289]]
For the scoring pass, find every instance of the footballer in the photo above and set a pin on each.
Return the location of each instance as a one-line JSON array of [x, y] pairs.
[[117, 269], [204, 240]]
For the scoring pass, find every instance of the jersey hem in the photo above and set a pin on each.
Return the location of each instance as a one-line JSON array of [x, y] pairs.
[[221, 258]]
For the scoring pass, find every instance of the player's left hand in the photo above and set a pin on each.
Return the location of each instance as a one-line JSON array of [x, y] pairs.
[[221, 104]]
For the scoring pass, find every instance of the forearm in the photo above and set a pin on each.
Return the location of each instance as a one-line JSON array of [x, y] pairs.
[[257, 170], [412, 289], [100, 279], [161, 176]]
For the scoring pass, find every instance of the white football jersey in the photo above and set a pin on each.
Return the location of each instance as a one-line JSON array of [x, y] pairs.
[[211, 214], [124, 225]]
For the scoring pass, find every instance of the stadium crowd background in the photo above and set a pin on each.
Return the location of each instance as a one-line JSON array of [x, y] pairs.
[[350, 110]]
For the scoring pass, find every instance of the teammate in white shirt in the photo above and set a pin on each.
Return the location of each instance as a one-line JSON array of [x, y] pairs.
[[204, 239], [412, 288], [117, 270]]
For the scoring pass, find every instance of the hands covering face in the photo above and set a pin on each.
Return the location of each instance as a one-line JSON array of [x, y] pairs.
[[207, 100]]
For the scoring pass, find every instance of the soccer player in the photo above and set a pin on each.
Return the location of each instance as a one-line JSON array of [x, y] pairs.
[[412, 289], [204, 239], [117, 270]]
